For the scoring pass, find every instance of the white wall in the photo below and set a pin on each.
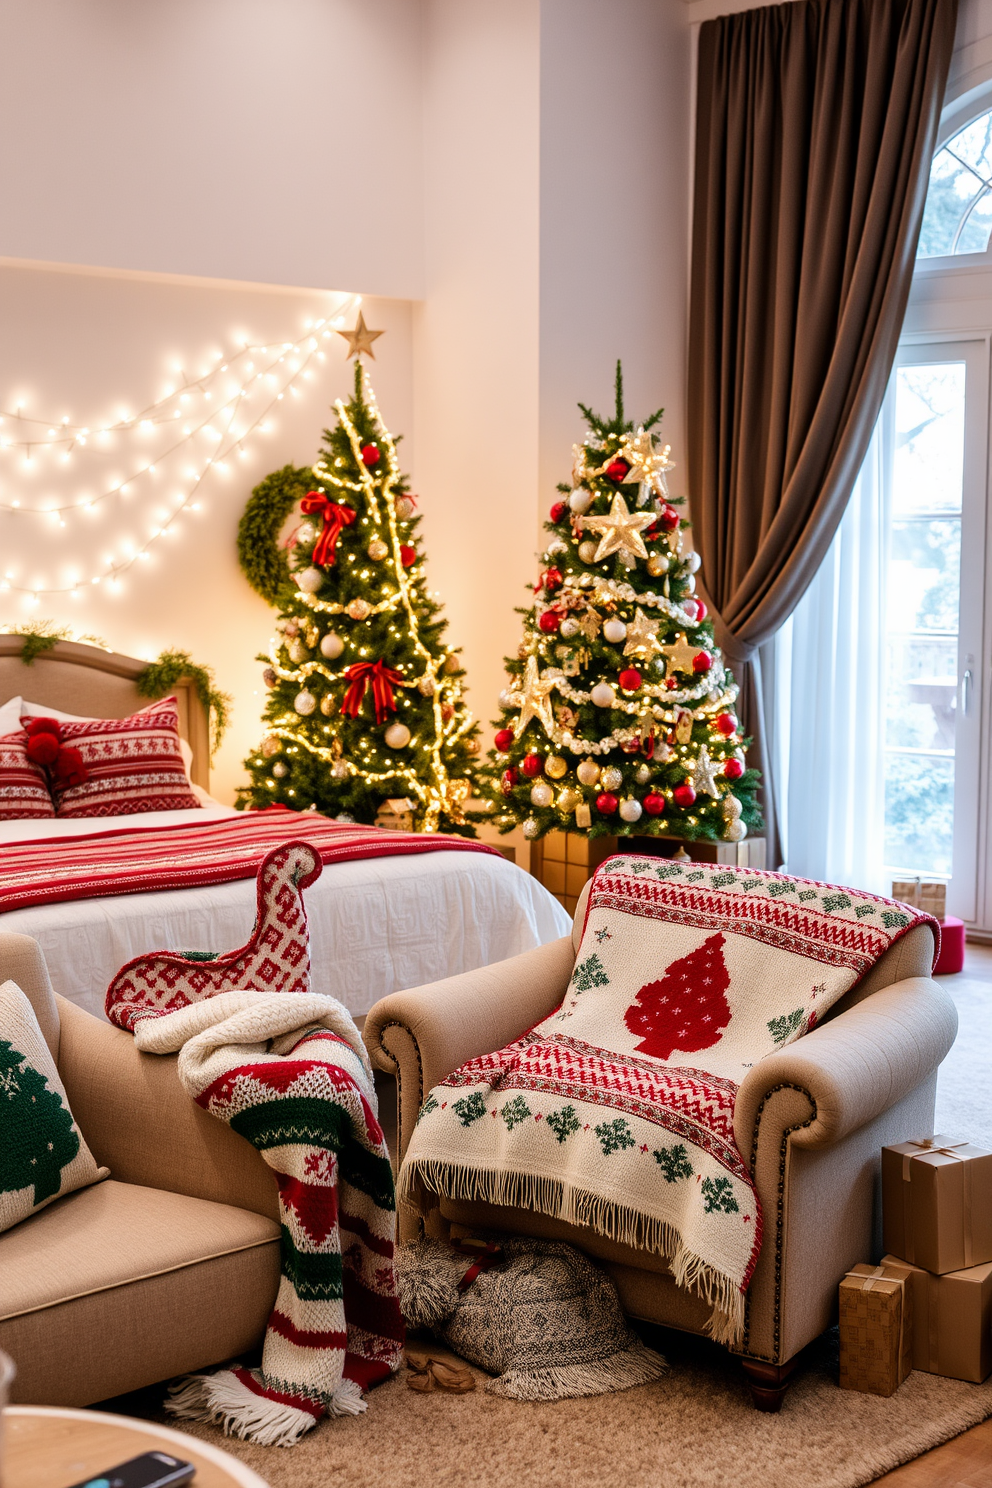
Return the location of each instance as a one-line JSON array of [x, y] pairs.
[[84, 345], [272, 141]]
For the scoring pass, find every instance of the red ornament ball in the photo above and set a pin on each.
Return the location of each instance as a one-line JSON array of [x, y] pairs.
[[447, 713], [684, 796], [733, 769], [42, 748], [617, 470], [630, 679], [654, 804], [532, 765], [408, 555], [509, 780], [503, 739], [552, 579], [607, 803], [631, 746], [558, 510], [702, 661], [672, 684], [370, 455], [69, 767], [701, 611], [726, 725], [549, 622], [669, 518]]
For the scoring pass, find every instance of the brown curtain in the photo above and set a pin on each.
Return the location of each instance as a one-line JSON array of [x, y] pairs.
[[815, 127]]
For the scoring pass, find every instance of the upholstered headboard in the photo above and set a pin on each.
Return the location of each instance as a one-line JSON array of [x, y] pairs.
[[99, 684]]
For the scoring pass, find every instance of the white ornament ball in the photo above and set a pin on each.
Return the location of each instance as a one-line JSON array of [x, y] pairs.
[[614, 631], [427, 687], [397, 736], [588, 772], [631, 810], [297, 652], [339, 770], [530, 828], [603, 695], [541, 793], [643, 774], [404, 508], [569, 628], [581, 500], [734, 831], [304, 702], [310, 580], [306, 532], [612, 778], [663, 752], [331, 645], [359, 609], [689, 582], [691, 607], [280, 769], [271, 746], [587, 551], [377, 549], [555, 546], [344, 816], [692, 560]]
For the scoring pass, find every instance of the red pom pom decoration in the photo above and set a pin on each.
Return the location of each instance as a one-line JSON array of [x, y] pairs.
[[684, 796], [43, 726], [630, 679], [532, 764], [726, 725], [558, 510], [503, 740], [654, 804], [669, 518], [370, 455], [408, 555], [607, 803], [510, 779], [549, 622], [552, 579], [42, 749], [733, 769], [702, 661], [69, 767], [617, 470]]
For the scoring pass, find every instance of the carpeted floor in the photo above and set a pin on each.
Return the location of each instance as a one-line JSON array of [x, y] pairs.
[[694, 1429]]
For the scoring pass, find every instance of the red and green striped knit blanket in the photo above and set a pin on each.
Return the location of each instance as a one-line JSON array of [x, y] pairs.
[[617, 1110]]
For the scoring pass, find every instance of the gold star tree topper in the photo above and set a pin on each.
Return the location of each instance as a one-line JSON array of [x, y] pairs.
[[646, 463], [620, 532], [360, 339], [680, 655], [533, 698]]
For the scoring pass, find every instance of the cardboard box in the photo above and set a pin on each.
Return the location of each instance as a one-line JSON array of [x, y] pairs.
[[876, 1328], [952, 1321], [937, 1204]]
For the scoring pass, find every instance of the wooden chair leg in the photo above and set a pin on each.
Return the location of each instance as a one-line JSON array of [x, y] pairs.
[[768, 1382]]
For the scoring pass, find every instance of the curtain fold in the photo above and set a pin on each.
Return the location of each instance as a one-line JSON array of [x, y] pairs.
[[816, 123]]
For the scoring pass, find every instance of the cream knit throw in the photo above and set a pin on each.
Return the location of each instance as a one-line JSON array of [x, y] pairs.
[[617, 1110]]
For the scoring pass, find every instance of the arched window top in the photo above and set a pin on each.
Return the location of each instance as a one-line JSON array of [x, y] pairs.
[[958, 215]]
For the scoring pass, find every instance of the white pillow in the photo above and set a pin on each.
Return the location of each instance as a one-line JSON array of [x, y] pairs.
[[36, 710], [10, 716]]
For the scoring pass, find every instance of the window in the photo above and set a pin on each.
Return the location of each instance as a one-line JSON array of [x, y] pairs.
[[958, 215]]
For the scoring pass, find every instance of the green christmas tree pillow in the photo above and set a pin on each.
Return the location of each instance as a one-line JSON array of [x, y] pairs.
[[42, 1152]]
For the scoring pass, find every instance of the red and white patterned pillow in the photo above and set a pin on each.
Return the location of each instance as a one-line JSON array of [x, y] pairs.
[[23, 785], [133, 764]]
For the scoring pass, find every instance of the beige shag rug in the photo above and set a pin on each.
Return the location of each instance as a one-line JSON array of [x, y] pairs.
[[693, 1429]]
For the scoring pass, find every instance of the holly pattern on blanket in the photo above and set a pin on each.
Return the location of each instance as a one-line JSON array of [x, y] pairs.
[[617, 1111]]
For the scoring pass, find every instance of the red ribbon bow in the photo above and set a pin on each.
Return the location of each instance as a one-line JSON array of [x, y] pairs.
[[335, 517], [486, 1257], [383, 679]]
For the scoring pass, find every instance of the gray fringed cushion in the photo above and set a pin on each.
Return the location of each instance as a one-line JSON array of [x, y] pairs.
[[547, 1321]]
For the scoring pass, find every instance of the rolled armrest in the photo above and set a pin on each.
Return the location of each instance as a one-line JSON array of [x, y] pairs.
[[140, 1122], [423, 1034], [853, 1067]]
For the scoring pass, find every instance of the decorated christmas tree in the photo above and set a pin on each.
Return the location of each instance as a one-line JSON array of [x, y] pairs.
[[619, 717], [39, 1138], [365, 717]]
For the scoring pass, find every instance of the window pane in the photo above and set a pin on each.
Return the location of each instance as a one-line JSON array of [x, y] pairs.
[[919, 813], [958, 214], [924, 575], [921, 692], [929, 454]]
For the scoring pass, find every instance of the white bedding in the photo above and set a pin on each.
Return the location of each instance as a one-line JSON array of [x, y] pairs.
[[375, 925]]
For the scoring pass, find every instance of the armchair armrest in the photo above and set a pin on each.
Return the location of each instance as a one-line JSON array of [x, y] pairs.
[[853, 1067], [139, 1121], [425, 1033]]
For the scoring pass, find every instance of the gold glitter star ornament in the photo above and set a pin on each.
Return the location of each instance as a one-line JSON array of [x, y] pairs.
[[533, 698], [620, 531], [360, 339], [703, 775], [680, 655], [642, 636]]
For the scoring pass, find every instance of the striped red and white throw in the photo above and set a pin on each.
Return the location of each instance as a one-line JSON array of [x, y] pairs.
[[288, 1071], [617, 1110], [188, 855]]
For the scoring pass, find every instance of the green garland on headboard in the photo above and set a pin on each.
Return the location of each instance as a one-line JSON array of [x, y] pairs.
[[263, 562], [42, 635], [161, 675]]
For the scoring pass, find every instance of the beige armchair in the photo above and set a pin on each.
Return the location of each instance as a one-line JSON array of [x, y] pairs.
[[810, 1120], [169, 1265]]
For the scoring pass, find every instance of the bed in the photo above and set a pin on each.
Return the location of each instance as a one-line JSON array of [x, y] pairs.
[[376, 925]]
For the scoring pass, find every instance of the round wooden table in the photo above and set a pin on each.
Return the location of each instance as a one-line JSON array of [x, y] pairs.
[[48, 1447]]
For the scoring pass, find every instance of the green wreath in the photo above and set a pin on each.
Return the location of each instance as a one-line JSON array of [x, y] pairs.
[[263, 562]]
